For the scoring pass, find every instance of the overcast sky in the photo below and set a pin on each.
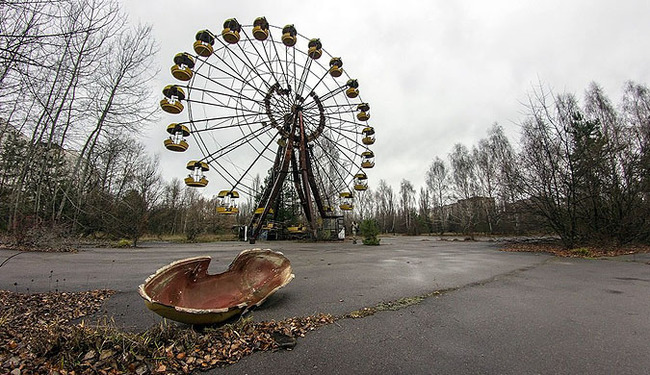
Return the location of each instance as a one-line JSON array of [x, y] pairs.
[[437, 72]]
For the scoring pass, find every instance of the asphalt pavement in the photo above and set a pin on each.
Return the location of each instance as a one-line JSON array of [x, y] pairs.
[[502, 313]]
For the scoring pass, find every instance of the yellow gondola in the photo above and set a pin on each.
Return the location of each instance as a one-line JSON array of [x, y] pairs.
[[193, 165], [289, 35], [367, 159], [179, 146], [226, 202], [347, 199], [228, 193], [260, 28], [297, 229], [360, 181], [260, 210], [336, 67], [368, 135], [183, 65], [172, 101], [191, 181], [231, 30], [222, 210], [363, 114], [204, 42], [176, 141], [196, 178], [315, 49], [353, 88]]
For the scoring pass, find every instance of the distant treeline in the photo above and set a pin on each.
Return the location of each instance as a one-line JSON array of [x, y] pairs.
[[581, 171]]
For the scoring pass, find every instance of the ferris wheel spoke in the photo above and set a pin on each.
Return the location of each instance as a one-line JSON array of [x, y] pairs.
[[266, 148], [339, 130], [252, 65], [342, 120], [332, 116], [296, 82], [224, 119], [266, 60], [245, 63], [340, 108], [300, 89], [344, 108], [332, 183], [336, 162], [342, 148], [250, 111], [237, 77], [229, 125], [335, 187], [236, 144], [227, 175], [332, 93], [320, 80], [275, 47], [212, 93]]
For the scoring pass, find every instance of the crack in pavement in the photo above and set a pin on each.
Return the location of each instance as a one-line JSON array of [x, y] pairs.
[[405, 302]]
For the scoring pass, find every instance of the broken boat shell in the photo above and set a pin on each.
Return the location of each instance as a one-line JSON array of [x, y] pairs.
[[184, 291]]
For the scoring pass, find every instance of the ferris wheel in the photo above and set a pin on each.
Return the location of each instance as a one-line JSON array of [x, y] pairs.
[[263, 100]]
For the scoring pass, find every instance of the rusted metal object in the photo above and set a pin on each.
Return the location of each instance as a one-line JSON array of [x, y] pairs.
[[185, 292]]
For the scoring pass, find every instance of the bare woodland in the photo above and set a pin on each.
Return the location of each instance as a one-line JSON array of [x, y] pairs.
[[75, 93]]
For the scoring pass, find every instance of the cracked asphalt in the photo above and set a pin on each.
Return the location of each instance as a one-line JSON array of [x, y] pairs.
[[502, 313]]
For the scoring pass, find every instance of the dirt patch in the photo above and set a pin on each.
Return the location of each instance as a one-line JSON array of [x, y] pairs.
[[592, 251], [42, 249]]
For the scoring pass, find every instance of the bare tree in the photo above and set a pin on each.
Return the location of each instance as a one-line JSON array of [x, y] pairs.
[[407, 206], [424, 223], [365, 204], [120, 98], [385, 208], [437, 181], [493, 159], [465, 188], [64, 52], [74, 83], [581, 170]]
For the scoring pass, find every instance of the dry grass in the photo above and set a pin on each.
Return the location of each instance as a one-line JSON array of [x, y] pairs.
[[591, 251]]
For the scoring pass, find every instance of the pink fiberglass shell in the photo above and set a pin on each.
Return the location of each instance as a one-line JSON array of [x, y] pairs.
[[185, 292]]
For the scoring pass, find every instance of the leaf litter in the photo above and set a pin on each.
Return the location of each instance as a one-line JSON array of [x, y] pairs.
[[38, 336]]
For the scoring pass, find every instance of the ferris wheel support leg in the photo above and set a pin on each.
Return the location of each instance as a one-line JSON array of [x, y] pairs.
[[314, 187], [309, 208], [256, 223], [297, 183]]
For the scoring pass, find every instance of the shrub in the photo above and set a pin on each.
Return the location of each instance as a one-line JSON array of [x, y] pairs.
[[581, 251], [369, 229], [124, 243]]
